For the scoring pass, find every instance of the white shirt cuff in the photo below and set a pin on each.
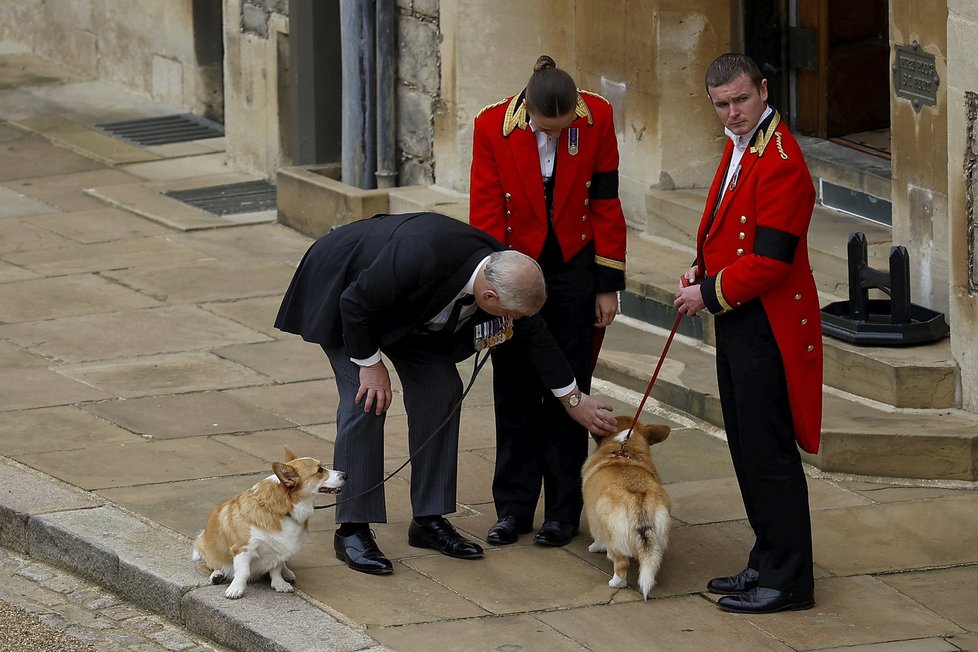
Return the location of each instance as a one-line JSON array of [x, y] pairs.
[[564, 391], [366, 362]]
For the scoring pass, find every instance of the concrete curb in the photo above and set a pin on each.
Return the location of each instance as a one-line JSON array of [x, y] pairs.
[[150, 566]]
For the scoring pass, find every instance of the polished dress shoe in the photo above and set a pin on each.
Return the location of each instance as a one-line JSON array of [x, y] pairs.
[[742, 582], [360, 552], [762, 600], [440, 535], [555, 533], [507, 530]]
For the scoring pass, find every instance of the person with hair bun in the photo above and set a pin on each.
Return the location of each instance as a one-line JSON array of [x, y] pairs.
[[544, 181]]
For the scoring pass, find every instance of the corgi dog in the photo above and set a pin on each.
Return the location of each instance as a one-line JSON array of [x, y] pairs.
[[627, 509], [257, 531]]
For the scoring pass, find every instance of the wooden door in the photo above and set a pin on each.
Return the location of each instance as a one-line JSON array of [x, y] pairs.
[[848, 91]]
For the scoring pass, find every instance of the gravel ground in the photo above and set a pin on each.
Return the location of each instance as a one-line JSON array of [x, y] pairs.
[[44, 609]]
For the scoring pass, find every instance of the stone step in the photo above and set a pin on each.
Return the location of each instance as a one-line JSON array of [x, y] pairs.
[[922, 376], [859, 436], [674, 215]]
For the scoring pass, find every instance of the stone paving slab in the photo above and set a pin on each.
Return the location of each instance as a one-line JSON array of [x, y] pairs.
[[170, 169], [286, 361], [66, 192], [207, 281], [50, 298], [96, 225], [168, 329], [75, 258], [157, 375], [16, 204], [20, 235], [59, 428], [33, 156], [33, 387]]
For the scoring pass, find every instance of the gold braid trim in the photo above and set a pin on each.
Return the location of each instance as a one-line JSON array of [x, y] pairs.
[[610, 262], [515, 117], [719, 290], [490, 106], [764, 137]]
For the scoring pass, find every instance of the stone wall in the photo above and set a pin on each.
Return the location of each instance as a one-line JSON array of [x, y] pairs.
[[962, 185], [647, 57], [148, 46], [418, 85], [920, 152]]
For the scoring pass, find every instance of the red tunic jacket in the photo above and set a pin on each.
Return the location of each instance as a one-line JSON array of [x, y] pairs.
[[757, 246], [506, 197]]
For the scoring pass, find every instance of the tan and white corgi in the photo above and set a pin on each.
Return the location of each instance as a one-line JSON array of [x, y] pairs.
[[626, 507], [257, 531]]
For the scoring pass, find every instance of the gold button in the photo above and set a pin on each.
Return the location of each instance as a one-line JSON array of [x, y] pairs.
[[741, 235], [797, 297], [811, 347], [743, 219], [509, 229], [584, 218], [509, 213], [804, 321], [583, 237], [587, 184], [740, 252], [586, 201], [509, 197]]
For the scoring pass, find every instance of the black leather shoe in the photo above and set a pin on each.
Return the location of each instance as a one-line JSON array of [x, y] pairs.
[[742, 582], [360, 552], [507, 530], [761, 600], [555, 533], [440, 535]]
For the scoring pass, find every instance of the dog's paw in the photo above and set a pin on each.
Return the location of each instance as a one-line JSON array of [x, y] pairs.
[[287, 574], [282, 587], [234, 591], [217, 577], [617, 582], [597, 546]]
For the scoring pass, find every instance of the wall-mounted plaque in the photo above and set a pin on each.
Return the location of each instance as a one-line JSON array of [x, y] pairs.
[[915, 75]]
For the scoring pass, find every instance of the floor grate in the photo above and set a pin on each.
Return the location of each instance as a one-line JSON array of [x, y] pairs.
[[247, 197], [163, 130]]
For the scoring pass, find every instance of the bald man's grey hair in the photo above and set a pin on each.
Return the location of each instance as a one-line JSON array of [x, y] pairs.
[[517, 280]]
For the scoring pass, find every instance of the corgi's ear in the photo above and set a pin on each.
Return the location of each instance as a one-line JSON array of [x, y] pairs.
[[286, 474], [654, 432], [289, 455]]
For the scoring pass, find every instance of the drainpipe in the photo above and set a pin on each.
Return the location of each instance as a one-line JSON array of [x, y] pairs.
[[386, 115], [358, 122]]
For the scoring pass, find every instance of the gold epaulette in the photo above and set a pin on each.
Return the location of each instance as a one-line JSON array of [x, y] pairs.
[[593, 94], [489, 106], [763, 138], [515, 117]]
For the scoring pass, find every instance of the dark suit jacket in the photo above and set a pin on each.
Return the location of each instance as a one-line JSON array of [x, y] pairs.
[[374, 282]]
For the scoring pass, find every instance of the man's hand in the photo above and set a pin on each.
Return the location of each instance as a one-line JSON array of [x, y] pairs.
[[593, 414], [689, 298], [605, 309], [375, 386]]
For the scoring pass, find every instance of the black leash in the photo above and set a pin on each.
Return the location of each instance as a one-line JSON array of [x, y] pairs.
[[476, 368]]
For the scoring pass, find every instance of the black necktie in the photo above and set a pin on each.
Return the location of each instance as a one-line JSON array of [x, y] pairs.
[[452, 323]]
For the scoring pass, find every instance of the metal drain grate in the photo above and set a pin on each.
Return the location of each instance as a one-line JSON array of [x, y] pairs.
[[145, 132], [247, 197]]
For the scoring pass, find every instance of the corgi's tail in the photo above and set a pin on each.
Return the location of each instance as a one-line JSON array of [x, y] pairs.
[[652, 538]]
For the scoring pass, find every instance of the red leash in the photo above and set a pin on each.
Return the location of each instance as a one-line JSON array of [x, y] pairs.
[[655, 374]]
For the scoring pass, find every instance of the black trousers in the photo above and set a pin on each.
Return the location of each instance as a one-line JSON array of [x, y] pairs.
[[537, 443], [760, 435]]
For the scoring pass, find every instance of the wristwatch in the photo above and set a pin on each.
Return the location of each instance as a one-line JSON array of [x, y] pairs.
[[572, 400]]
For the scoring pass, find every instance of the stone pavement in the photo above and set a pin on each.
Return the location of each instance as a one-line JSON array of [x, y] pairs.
[[141, 382]]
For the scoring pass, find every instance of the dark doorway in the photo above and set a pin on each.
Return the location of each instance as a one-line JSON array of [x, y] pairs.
[[765, 30], [846, 96], [209, 49]]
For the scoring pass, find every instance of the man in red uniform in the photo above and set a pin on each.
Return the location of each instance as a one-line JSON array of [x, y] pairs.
[[752, 272], [545, 183]]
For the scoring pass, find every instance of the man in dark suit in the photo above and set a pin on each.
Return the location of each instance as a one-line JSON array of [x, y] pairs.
[[399, 285]]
